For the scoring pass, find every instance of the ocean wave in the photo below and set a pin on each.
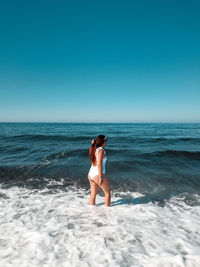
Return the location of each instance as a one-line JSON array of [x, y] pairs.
[[155, 139], [66, 154], [42, 137], [45, 226], [125, 138], [174, 153]]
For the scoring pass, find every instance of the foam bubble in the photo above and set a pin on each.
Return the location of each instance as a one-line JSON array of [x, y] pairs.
[[62, 229]]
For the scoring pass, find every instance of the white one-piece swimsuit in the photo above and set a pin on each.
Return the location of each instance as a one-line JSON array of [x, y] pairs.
[[94, 169]]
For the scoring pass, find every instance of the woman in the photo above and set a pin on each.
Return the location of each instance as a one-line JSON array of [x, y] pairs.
[[97, 173]]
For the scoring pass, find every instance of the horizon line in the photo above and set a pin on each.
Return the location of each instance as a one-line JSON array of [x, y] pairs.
[[100, 122]]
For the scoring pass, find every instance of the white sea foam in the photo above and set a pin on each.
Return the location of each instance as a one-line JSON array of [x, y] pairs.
[[42, 229]]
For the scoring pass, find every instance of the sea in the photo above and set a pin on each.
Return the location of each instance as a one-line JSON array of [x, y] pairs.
[[154, 175]]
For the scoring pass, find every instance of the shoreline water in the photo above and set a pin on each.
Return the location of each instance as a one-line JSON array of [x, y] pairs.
[[154, 216], [39, 228]]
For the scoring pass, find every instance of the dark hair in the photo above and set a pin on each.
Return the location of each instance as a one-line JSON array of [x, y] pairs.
[[95, 144]]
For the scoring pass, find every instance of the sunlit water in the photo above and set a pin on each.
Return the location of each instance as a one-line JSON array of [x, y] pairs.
[[45, 216]]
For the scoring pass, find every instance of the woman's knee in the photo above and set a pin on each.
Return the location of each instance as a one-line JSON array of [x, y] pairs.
[[107, 193], [93, 194]]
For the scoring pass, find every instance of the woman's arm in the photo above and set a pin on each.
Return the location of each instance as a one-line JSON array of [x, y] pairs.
[[99, 163]]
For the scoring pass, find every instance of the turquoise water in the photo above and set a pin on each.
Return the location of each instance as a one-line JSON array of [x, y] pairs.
[[158, 160]]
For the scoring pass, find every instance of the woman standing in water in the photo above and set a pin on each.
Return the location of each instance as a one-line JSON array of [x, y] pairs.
[[97, 173]]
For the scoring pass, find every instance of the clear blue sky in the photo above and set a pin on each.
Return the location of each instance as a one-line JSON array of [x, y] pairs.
[[100, 61]]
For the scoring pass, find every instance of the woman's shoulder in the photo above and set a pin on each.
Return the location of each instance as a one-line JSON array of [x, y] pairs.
[[100, 148]]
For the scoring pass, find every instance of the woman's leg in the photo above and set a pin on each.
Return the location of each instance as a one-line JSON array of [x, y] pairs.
[[105, 186], [94, 188]]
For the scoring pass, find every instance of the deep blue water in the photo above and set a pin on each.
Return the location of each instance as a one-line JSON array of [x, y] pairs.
[[151, 158]]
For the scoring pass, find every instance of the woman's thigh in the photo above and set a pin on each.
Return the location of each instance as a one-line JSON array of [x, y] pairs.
[[93, 186], [105, 185]]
